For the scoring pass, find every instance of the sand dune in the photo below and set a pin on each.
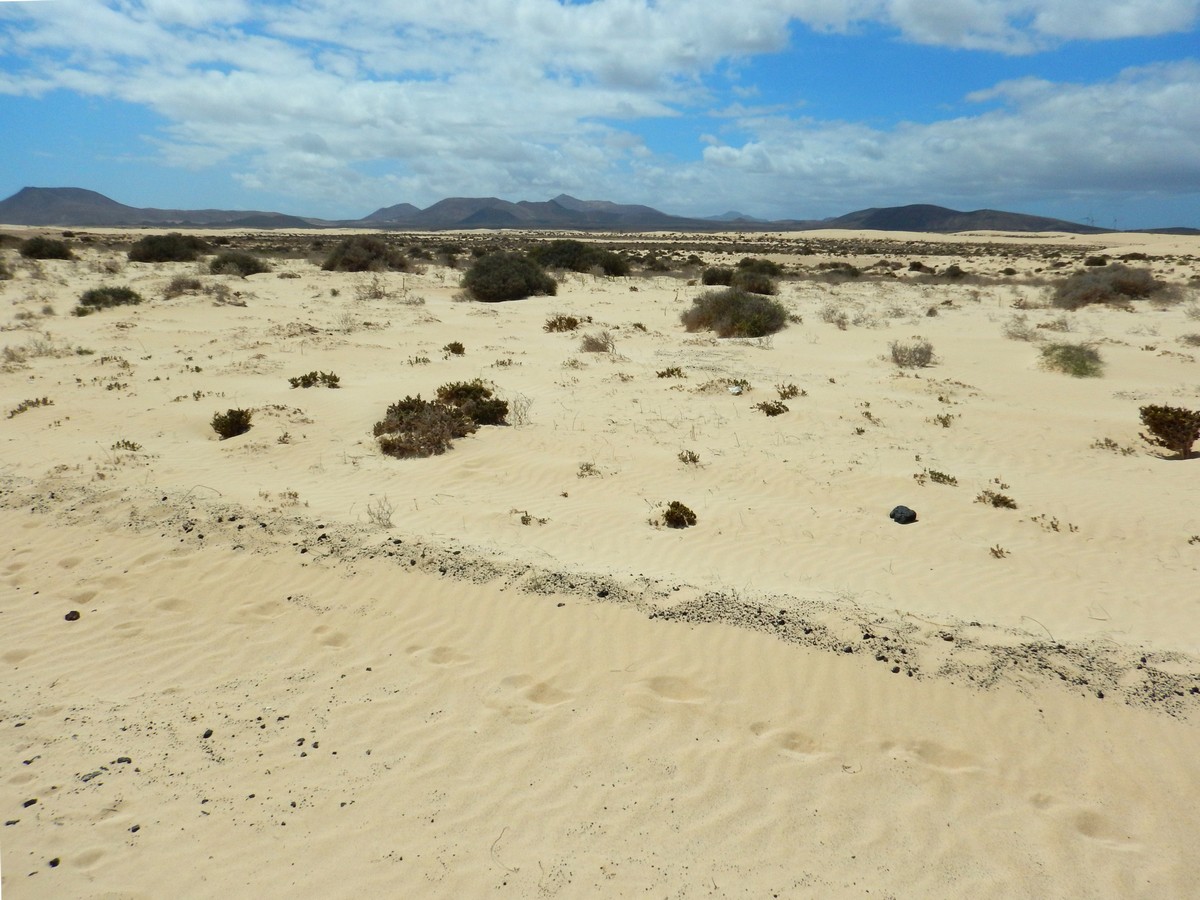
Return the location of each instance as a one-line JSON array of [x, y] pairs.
[[521, 686]]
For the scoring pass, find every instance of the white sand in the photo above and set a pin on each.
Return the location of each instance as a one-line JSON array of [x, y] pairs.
[[795, 698]]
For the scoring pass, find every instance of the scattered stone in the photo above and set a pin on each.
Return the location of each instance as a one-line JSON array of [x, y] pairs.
[[29, 803], [207, 733], [135, 829], [124, 759], [54, 863], [72, 616], [902, 515]]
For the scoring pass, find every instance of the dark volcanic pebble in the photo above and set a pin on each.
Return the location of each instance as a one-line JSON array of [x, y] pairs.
[[72, 616], [54, 863], [207, 733]]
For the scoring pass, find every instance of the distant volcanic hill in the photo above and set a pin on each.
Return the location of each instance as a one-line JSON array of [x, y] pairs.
[[78, 207]]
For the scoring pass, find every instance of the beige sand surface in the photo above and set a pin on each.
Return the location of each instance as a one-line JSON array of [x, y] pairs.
[[522, 688]]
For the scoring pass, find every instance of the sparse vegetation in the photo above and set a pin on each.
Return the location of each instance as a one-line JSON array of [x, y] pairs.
[[995, 499], [914, 354], [123, 444], [364, 253], [670, 372], [1076, 360], [689, 457], [576, 256], [598, 342], [717, 275], [26, 405], [475, 400], [312, 379], [755, 282], [172, 247], [105, 297], [506, 275], [182, 284], [789, 391], [560, 323], [45, 248], [676, 515], [235, 262], [454, 348], [1019, 328], [735, 313], [1115, 284], [1172, 428], [772, 407], [232, 422], [415, 428], [1113, 447]]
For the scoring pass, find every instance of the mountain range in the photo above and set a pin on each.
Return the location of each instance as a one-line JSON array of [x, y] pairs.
[[78, 207]]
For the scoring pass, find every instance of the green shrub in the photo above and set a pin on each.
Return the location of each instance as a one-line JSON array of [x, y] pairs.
[[676, 515], [235, 262], [914, 354], [416, 428], [772, 407], [576, 256], [104, 297], [312, 379], [232, 422], [454, 348], [506, 275], [364, 253], [1172, 428], [761, 266], [1114, 284], [1077, 360], [717, 275], [45, 248], [671, 372], [755, 282], [560, 323], [172, 247], [475, 401], [735, 313], [996, 500]]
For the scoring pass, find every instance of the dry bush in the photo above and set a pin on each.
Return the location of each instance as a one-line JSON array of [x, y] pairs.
[[914, 354], [598, 342], [232, 422], [1077, 360], [735, 313], [415, 428], [1019, 328], [1116, 284], [235, 262]]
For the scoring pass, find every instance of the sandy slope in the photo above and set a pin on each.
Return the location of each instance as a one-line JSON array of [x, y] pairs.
[[524, 688]]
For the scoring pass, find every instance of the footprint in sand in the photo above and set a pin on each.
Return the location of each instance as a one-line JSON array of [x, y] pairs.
[[331, 638], [1087, 822], [523, 697], [679, 690], [934, 755], [439, 656], [794, 743]]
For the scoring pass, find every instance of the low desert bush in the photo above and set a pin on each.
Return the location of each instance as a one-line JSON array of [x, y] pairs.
[[506, 275], [45, 248], [717, 275], [1172, 428], [772, 407], [560, 322], [735, 313], [364, 253], [1019, 328], [996, 500], [172, 247], [761, 266], [235, 262], [104, 297], [676, 515], [475, 401], [415, 428], [598, 342], [182, 284], [755, 282], [576, 256], [312, 379], [1116, 284], [454, 348], [914, 354], [1077, 360], [671, 372], [232, 422]]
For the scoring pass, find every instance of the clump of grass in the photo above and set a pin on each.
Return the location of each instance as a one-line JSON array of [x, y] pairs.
[[312, 379], [105, 297], [689, 457], [1019, 328], [789, 391], [772, 407], [123, 444], [914, 354], [454, 348], [560, 323], [995, 499], [735, 313], [755, 282], [671, 372], [1115, 284], [1076, 360], [182, 284], [235, 262], [598, 342], [232, 422], [1172, 428], [936, 477]]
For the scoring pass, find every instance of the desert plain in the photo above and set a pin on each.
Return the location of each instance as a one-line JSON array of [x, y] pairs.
[[286, 664]]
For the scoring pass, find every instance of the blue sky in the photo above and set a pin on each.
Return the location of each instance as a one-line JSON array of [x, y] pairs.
[[1081, 109]]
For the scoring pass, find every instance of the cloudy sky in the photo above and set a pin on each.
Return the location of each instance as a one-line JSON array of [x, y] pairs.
[[1082, 109]]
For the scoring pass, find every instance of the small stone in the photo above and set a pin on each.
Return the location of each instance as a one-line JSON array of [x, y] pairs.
[[54, 862], [124, 759], [29, 803], [72, 616], [135, 829], [207, 733]]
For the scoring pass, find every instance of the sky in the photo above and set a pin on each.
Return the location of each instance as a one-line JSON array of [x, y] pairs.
[[1087, 110]]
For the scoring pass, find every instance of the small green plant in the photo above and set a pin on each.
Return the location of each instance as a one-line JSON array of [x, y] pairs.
[[1076, 360], [26, 405], [232, 422], [475, 401], [454, 348], [735, 313], [1113, 447], [995, 499], [45, 248], [1172, 428], [998, 552], [104, 297], [676, 515], [689, 457], [671, 372], [312, 379], [235, 262], [588, 470], [772, 407], [173, 247], [598, 342], [914, 354], [418, 360], [789, 391], [943, 419], [131, 446], [506, 275], [936, 477]]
